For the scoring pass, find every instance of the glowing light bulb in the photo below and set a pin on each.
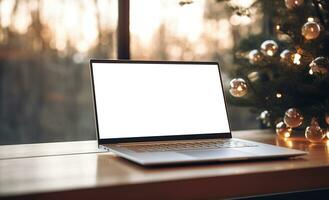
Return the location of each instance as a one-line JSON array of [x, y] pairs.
[[297, 58], [286, 134], [277, 27], [310, 72], [278, 95], [310, 19]]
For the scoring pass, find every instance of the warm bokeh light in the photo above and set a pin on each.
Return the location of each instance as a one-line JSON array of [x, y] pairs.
[[79, 23], [183, 21], [297, 58], [310, 19], [288, 142], [163, 29], [277, 27], [286, 134], [75, 23]]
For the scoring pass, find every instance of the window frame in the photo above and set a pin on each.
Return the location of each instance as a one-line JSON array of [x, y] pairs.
[[123, 31]]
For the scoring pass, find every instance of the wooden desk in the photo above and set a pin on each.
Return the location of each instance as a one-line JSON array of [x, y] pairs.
[[103, 175]]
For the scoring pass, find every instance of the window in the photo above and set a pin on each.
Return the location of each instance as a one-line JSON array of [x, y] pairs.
[[45, 47]]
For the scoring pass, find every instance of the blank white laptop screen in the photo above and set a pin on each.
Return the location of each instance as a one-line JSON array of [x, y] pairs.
[[158, 99]]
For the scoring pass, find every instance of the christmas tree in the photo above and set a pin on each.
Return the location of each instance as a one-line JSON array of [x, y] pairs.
[[283, 73]]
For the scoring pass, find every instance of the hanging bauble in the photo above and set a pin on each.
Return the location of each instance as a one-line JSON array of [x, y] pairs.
[[287, 56], [327, 118], [319, 65], [269, 47], [314, 133], [291, 4], [265, 118], [293, 118], [311, 30], [238, 87], [282, 130], [255, 56]]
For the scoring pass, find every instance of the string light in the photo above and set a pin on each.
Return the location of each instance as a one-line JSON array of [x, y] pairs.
[[277, 27], [310, 19], [288, 141], [297, 58], [278, 95], [287, 134]]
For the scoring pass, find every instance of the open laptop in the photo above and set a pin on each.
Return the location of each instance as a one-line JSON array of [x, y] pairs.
[[155, 113]]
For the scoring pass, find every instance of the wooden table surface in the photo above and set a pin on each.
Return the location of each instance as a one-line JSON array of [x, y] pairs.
[[98, 175]]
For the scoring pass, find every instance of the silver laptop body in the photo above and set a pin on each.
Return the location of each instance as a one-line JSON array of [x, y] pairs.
[[168, 112]]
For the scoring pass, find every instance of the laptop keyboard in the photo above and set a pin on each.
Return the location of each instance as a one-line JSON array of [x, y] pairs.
[[188, 145]]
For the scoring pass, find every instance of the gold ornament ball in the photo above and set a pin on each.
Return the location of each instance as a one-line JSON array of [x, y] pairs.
[[269, 47], [327, 133], [238, 87], [314, 133], [286, 56], [282, 130], [311, 30], [255, 56], [291, 4], [293, 118], [319, 65]]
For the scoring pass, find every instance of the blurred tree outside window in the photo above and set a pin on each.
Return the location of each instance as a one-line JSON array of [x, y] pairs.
[[45, 47], [207, 30]]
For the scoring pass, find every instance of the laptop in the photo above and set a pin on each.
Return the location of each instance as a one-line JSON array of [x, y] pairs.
[[168, 112]]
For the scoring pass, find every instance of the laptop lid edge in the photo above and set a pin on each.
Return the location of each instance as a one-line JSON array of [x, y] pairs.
[[156, 138]]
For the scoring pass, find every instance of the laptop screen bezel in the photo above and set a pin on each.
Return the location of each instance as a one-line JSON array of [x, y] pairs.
[[155, 138]]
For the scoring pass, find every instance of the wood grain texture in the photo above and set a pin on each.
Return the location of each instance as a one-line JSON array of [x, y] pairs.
[[101, 175]]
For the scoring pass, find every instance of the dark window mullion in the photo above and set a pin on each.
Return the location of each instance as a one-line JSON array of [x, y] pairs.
[[123, 30]]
